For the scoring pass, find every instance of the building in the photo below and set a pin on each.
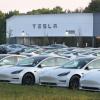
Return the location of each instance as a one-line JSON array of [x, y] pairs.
[[73, 29]]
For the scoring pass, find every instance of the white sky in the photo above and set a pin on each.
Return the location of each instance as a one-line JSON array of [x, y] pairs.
[[28, 5]]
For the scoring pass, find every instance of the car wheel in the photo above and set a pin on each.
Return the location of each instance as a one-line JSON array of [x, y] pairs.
[[28, 79], [74, 82]]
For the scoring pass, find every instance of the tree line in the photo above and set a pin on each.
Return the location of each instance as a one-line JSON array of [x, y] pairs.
[[93, 7]]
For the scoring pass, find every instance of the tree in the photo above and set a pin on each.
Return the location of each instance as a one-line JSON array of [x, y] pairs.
[[39, 11], [2, 28], [57, 10], [11, 13], [93, 7], [78, 10]]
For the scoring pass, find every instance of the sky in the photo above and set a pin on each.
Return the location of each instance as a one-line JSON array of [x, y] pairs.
[[24, 6]]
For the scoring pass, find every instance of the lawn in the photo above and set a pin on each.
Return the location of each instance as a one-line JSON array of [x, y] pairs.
[[19, 92]]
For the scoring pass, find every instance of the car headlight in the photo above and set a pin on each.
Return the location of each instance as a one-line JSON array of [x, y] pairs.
[[64, 74], [16, 72]]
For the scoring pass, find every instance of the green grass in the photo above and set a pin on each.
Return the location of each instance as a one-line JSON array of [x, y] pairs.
[[19, 92]]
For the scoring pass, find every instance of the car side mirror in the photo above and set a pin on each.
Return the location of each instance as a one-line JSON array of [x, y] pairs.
[[40, 66], [87, 68]]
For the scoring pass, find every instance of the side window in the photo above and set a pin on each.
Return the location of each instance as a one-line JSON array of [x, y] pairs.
[[8, 61], [20, 58], [95, 64], [52, 62], [60, 61], [48, 63]]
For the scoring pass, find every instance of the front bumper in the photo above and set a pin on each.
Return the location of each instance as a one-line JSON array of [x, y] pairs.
[[10, 78]]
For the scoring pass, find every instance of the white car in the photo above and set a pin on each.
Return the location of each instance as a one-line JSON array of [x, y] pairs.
[[15, 48], [91, 80], [68, 75], [27, 70]]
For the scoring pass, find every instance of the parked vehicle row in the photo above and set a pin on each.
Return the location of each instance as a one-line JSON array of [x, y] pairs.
[[53, 65], [68, 75], [81, 73], [27, 70]]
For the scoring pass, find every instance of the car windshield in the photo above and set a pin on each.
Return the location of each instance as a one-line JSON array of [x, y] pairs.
[[77, 63], [30, 62]]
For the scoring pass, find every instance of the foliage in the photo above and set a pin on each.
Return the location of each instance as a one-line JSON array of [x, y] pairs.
[[3, 17], [93, 7], [2, 27], [39, 11], [11, 13], [55, 10]]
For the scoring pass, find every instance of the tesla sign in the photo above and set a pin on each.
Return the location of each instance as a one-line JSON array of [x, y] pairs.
[[44, 26]]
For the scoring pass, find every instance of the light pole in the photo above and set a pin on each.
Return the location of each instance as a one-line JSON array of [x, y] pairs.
[[93, 41], [9, 34], [79, 38]]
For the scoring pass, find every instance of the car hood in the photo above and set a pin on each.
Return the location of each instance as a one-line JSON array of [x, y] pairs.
[[7, 69]]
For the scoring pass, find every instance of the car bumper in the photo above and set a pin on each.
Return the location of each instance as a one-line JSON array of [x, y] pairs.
[[10, 78]]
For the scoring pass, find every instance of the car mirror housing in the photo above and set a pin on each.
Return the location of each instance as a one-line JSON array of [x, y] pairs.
[[39, 66], [87, 68]]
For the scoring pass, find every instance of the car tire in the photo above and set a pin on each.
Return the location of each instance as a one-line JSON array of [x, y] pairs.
[[74, 82], [28, 79]]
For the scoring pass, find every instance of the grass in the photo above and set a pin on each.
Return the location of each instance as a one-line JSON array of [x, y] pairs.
[[19, 92]]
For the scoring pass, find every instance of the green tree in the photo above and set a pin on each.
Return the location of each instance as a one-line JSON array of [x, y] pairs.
[[3, 18], [93, 7], [39, 11], [11, 13], [2, 28], [57, 10]]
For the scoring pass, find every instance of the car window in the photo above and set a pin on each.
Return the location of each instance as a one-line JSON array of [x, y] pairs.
[[76, 63], [8, 61], [30, 62], [12, 60], [19, 58], [71, 64], [27, 61], [94, 64], [48, 63], [60, 61], [51, 62]]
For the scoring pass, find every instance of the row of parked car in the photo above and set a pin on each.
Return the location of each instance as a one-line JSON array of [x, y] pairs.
[[57, 65]]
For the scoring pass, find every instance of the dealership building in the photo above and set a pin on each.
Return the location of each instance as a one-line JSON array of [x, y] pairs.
[[72, 29]]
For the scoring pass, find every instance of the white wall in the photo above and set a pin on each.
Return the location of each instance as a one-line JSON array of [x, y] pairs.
[[80, 23]]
